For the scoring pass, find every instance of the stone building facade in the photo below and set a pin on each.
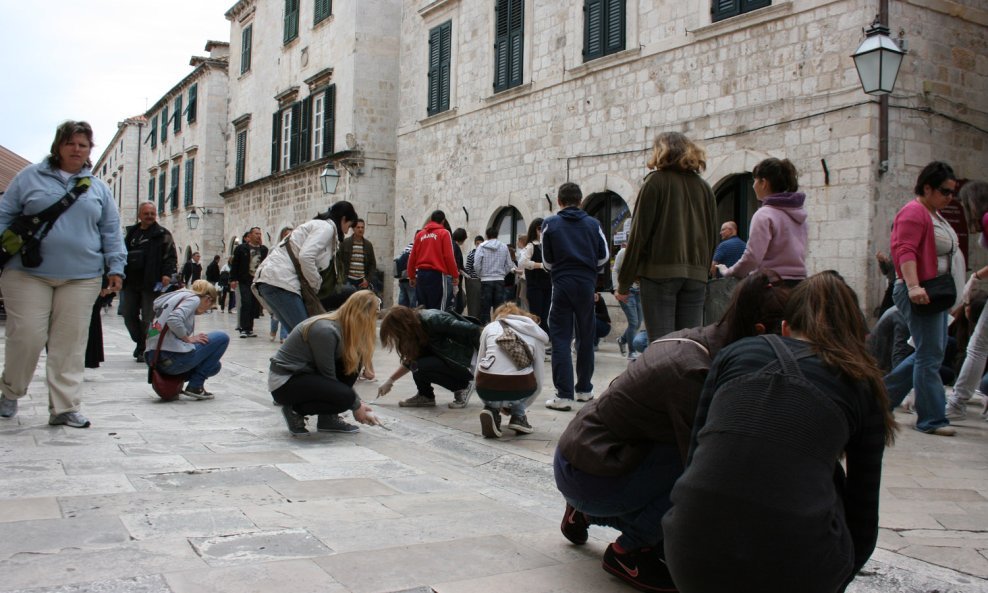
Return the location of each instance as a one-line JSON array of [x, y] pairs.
[[503, 101], [313, 85], [183, 151], [120, 166]]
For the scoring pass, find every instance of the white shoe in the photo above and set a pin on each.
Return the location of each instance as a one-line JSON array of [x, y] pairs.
[[955, 411], [584, 397], [559, 404]]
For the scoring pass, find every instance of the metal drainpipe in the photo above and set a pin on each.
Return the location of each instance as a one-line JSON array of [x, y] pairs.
[[137, 180], [883, 104]]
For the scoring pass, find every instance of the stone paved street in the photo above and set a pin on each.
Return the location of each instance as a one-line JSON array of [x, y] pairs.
[[215, 496]]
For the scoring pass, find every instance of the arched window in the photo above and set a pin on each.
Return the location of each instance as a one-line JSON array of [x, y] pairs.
[[736, 201], [613, 214], [509, 225]]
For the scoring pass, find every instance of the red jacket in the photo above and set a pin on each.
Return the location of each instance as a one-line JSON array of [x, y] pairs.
[[432, 250], [912, 240]]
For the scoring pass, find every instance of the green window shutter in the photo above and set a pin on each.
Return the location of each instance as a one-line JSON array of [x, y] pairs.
[[322, 10], [154, 132], [275, 141], [240, 172], [516, 38], [510, 35], [722, 9], [246, 41], [329, 122], [161, 192], [293, 154], [190, 172], [173, 193], [593, 29], [440, 42], [190, 111], [304, 129], [749, 5], [501, 45], [291, 20], [178, 115], [164, 123], [151, 189], [614, 26]]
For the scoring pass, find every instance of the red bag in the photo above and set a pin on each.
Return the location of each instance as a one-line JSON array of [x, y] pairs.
[[168, 387]]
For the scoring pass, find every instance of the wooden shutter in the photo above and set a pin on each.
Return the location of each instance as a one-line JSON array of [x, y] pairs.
[[509, 35], [293, 137], [151, 189], [190, 172], [239, 174], [322, 9], [593, 29], [614, 23], [433, 100], [164, 123], [445, 52], [190, 111], [304, 131], [173, 194], [329, 121], [749, 5], [501, 45], [516, 39], [275, 141], [722, 9], [291, 20], [178, 114], [154, 132], [161, 192], [246, 40]]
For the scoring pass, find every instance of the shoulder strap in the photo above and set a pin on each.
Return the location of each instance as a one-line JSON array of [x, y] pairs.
[[161, 336], [298, 267], [787, 359], [50, 214], [694, 342]]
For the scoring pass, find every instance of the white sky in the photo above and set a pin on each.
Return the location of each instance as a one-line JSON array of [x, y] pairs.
[[101, 61]]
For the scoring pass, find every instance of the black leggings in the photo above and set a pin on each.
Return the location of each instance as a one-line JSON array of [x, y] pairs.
[[431, 370], [311, 394]]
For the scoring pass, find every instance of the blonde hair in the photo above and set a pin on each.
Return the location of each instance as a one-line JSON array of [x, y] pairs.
[[205, 288], [357, 318], [673, 150], [512, 308]]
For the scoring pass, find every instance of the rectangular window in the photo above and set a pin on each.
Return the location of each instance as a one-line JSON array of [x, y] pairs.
[[177, 118], [246, 40], [722, 9], [173, 192], [509, 39], [151, 188], [291, 20], [190, 176], [161, 191], [241, 168], [603, 28], [164, 124], [286, 139], [440, 47], [322, 9], [190, 111], [154, 132], [318, 111]]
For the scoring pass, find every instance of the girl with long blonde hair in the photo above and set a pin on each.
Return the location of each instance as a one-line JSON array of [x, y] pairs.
[[314, 370]]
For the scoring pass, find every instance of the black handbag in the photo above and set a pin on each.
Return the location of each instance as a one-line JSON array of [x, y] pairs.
[[941, 291]]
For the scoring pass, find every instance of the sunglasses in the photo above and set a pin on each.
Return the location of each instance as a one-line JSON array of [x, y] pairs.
[[946, 191]]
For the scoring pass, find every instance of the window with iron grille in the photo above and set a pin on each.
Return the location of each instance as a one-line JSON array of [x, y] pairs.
[[509, 18], [603, 28], [722, 9], [440, 49]]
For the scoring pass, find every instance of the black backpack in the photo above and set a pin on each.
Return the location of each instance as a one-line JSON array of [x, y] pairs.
[[401, 265]]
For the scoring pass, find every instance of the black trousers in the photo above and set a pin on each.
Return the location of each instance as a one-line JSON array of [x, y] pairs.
[[431, 370], [311, 394], [137, 309]]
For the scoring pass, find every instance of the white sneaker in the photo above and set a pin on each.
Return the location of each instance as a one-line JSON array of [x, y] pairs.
[[955, 411], [560, 404], [584, 397]]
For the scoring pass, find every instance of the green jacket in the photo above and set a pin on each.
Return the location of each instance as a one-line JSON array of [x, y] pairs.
[[451, 337], [673, 230]]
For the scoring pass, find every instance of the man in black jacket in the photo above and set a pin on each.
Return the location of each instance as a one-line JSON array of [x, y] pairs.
[[192, 270], [246, 258], [151, 261]]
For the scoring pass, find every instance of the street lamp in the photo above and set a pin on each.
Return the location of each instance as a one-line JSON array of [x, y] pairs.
[[877, 60], [329, 178], [192, 218]]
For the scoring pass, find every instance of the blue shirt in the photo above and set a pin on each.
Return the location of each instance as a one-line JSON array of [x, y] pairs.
[[729, 251]]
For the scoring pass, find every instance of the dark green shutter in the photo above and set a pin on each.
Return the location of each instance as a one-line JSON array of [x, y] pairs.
[[614, 23], [501, 45], [722, 9], [291, 20], [154, 132], [178, 114], [275, 141], [440, 49], [593, 29], [516, 39], [322, 9], [510, 35], [749, 5], [433, 71], [173, 194], [161, 191], [329, 121], [241, 157], [164, 123], [246, 40], [190, 172], [190, 111], [293, 138], [151, 189], [305, 131]]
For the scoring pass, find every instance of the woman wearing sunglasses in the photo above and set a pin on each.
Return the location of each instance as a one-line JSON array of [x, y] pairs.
[[923, 245]]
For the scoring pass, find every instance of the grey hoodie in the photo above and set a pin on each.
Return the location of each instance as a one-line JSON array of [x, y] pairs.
[[177, 310]]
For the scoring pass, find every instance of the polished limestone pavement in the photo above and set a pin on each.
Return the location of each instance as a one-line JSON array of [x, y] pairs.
[[215, 496]]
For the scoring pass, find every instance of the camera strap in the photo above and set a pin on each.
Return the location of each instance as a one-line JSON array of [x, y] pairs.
[[49, 215]]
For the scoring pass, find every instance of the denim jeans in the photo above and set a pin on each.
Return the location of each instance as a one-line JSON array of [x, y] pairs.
[[634, 503], [275, 322], [633, 312], [974, 364], [203, 362], [671, 304], [285, 305], [640, 343], [491, 297], [406, 295], [920, 370]]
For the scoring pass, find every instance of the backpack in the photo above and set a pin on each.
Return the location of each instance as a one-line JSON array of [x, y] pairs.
[[401, 265]]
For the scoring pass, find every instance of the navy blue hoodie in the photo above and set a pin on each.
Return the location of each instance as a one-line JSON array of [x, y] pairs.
[[573, 244]]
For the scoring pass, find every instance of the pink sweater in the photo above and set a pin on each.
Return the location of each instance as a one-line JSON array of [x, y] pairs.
[[777, 239], [913, 240]]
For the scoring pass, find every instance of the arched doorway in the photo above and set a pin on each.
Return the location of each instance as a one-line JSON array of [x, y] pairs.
[[736, 201], [509, 224], [614, 216]]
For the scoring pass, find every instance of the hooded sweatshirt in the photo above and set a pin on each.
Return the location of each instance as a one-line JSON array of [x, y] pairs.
[[432, 250], [573, 244], [492, 359], [777, 238], [492, 261], [177, 310]]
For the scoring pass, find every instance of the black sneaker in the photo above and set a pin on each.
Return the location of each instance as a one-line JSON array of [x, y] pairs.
[[575, 525], [333, 423], [622, 345], [418, 401], [490, 423], [249, 334], [520, 424], [644, 569], [295, 422]]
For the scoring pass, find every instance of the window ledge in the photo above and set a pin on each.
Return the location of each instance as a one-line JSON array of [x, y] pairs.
[[603, 62], [436, 5], [508, 94], [743, 21], [330, 18], [288, 44], [439, 117]]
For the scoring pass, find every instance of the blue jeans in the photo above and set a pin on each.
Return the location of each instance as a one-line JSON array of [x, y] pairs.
[[921, 369], [406, 295], [633, 503], [287, 306], [671, 304], [572, 301], [633, 312], [274, 326], [640, 343], [491, 297], [202, 363]]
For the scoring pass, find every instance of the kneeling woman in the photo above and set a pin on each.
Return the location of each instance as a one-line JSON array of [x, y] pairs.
[[765, 504], [314, 370], [182, 350], [437, 347], [618, 459]]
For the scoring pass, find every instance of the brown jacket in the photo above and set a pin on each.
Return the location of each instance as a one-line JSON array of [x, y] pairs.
[[654, 401]]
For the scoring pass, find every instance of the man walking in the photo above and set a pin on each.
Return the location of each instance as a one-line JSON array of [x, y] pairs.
[[492, 263], [358, 258], [430, 260], [246, 258], [731, 247], [151, 261], [574, 250], [192, 270]]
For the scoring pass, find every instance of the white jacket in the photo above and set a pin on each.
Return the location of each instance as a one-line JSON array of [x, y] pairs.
[[492, 359], [315, 244]]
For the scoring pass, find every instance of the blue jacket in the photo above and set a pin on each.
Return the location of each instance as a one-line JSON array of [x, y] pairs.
[[573, 244], [86, 239]]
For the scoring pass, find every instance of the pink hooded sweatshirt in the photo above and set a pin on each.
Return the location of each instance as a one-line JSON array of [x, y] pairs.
[[777, 238]]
